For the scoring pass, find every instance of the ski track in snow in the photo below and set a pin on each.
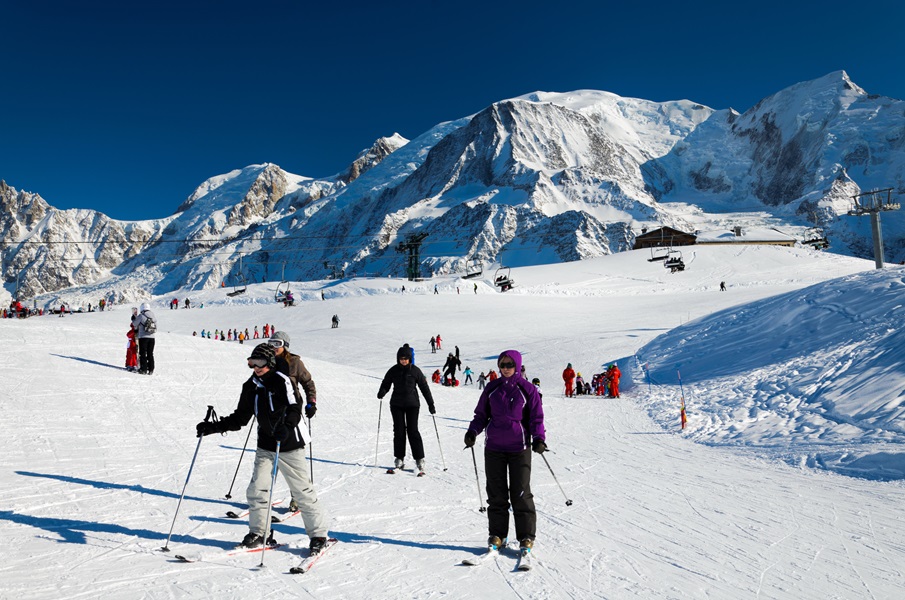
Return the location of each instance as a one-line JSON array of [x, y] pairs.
[[95, 458]]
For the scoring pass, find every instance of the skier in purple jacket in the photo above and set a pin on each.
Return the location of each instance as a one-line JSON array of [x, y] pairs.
[[512, 416]]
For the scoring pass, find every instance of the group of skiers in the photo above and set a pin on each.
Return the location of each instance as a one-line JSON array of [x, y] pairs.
[[601, 384], [509, 412], [174, 304], [236, 334]]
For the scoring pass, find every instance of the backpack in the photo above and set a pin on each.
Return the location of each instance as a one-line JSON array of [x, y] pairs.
[[150, 324]]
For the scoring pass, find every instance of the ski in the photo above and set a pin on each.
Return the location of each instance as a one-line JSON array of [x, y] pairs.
[[309, 561], [473, 561], [244, 513], [525, 560], [213, 556], [276, 519]]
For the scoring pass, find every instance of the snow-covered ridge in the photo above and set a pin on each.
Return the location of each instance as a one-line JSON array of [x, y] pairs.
[[542, 178]]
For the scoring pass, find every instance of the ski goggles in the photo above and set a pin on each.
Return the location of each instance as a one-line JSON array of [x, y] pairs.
[[276, 343], [257, 363], [507, 364]]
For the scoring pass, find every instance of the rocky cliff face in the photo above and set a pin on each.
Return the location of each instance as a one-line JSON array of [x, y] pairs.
[[802, 153], [541, 178]]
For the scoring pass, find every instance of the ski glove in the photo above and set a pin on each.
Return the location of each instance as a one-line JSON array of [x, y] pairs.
[[432, 409], [539, 446], [206, 428], [310, 409], [281, 433], [469, 439]]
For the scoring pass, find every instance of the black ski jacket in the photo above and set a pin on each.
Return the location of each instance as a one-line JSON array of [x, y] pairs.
[[271, 399], [405, 381]]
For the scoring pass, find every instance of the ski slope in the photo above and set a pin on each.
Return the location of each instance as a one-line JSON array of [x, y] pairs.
[[787, 482]]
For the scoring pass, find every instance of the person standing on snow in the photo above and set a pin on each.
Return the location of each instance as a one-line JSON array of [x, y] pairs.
[[132, 350], [292, 365], [406, 379], [511, 414], [467, 372], [433, 344], [146, 324], [269, 396], [482, 380], [449, 369], [613, 376], [568, 375]]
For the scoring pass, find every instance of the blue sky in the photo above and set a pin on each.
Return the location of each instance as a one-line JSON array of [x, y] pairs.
[[126, 107]]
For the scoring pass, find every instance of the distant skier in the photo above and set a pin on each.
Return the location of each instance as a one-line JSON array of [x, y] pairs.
[[145, 322], [335, 321], [467, 372], [406, 379], [433, 344], [132, 351], [568, 376]]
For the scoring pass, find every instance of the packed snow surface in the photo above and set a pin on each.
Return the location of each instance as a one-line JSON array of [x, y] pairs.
[[788, 482]]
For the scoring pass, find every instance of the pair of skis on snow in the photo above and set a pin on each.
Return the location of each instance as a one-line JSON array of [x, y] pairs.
[[524, 562], [305, 565]]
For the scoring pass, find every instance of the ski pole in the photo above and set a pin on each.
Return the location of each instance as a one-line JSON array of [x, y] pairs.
[[247, 437], [310, 452], [434, 417], [477, 481], [568, 502], [210, 415], [273, 483], [377, 445]]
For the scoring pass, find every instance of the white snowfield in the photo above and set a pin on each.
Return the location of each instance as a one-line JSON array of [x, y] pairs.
[[787, 482]]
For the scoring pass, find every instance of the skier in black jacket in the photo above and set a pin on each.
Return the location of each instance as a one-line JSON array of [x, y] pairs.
[[406, 378], [449, 374], [269, 395]]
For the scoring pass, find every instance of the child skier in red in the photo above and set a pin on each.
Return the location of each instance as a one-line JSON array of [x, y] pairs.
[[132, 351]]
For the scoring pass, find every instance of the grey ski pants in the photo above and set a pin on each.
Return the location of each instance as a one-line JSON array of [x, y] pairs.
[[293, 468]]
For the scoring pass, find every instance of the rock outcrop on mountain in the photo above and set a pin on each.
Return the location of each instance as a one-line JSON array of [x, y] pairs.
[[545, 177]]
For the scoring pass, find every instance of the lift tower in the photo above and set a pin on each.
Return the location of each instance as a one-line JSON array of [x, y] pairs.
[[412, 245], [873, 203]]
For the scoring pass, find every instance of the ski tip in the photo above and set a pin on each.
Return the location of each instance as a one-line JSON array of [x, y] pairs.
[[232, 515], [391, 471], [422, 474]]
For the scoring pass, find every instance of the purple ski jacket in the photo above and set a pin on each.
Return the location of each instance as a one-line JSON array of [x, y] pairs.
[[510, 411]]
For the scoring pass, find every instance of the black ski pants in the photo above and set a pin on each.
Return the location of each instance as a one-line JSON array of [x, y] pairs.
[[509, 481], [405, 423], [146, 354]]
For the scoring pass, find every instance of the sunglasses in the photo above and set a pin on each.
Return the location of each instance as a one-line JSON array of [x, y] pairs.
[[507, 365], [275, 343], [257, 363]]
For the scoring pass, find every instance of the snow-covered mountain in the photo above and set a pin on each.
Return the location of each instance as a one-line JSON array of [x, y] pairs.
[[538, 179]]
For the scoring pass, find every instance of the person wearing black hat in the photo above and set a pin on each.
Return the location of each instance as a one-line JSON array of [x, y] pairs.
[[405, 404], [268, 394]]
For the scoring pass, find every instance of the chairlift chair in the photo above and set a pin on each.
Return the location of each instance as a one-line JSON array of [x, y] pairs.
[[280, 294], [473, 269], [239, 285], [674, 261], [658, 253], [502, 279], [816, 239]]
